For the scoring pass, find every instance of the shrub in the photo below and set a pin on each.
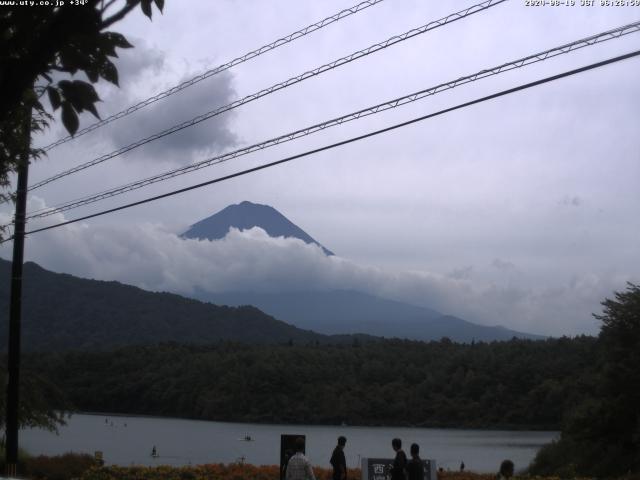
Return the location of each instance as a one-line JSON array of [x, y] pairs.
[[61, 467]]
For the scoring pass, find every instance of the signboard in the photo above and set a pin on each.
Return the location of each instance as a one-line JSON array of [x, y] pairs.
[[287, 449], [380, 469]]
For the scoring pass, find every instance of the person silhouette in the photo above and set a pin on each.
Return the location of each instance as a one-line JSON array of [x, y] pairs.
[[338, 460]]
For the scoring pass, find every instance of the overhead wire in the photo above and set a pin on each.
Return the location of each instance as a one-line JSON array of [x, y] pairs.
[[394, 103], [219, 69], [279, 86], [347, 141]]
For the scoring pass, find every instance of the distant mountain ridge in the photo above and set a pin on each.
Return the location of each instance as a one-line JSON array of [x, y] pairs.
[[244, 216], [348, 312], [63, 312]]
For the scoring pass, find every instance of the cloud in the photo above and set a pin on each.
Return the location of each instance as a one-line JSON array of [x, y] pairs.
[[191, 143], [139, 61], [461, 273], [154, 258], [145, 71], [504, 265]]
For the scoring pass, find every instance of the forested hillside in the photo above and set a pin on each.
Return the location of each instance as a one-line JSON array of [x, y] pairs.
[[63, 312], [519, 384]]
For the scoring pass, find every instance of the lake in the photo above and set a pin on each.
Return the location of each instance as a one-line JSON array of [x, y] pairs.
[[126, 440]]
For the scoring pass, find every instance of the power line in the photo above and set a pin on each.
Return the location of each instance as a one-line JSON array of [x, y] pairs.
[[345, 142], [221, 68], [279, 86], [531, 59]]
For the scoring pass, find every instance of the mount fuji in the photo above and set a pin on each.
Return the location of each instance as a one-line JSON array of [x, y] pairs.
[[333, 311]]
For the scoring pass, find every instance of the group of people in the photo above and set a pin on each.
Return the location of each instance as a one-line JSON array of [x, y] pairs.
[[299, 467], [413, 467]]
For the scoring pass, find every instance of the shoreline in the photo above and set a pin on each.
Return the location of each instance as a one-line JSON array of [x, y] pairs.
[[288, 425]]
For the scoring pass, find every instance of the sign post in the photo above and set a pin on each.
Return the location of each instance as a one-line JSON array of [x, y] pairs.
[[288, 449], [380, 469]]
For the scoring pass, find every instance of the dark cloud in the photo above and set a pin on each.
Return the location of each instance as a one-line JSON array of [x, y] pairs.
[[571, 201], [191, 143], [462, 273]]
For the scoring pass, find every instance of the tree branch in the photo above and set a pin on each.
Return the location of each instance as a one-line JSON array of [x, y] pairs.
[[106, 7], [118, 16]]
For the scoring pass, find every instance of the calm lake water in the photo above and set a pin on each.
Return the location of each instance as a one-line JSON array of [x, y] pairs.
[[129, 440]]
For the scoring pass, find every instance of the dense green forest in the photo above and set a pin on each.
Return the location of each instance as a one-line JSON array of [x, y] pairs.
[[601, 436], [516, 384]]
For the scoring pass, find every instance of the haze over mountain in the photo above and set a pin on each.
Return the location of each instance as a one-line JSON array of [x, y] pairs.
[[349, 312], [244, 216]]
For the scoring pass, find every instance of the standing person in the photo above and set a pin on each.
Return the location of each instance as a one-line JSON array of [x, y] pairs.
[[338, 461], [398, 470], [298, 467], [506, 470], [415, 469]]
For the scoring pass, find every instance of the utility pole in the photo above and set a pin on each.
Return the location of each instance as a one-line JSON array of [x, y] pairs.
[[15, 310]]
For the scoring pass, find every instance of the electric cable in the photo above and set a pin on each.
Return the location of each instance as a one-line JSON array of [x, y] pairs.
[[279, 86], [529, 60], [345, 142], [221, 68]]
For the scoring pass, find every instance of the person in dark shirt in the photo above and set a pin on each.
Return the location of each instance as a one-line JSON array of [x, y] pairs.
[[415, 470], [400, 462], [338, 461], [506, 470]]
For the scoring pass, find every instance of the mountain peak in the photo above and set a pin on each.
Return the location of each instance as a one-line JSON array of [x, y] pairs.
[[246, 215]]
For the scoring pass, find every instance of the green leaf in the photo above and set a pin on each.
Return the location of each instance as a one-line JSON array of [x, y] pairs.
[[107, 47], [73, 59], [85, 92], [117, 39], [65, 86], [146, 7], [93, 110], [69, 118], [54, 98], [109, 72], [71, 95], [93, 74], [81, 95]]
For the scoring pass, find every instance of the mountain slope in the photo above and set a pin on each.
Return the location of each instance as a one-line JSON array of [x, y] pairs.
[[247, 215], [61, 312], [345, 312]]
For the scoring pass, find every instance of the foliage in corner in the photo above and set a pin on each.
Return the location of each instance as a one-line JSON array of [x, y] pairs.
[[38, 44], [38, 397], [601, 437]]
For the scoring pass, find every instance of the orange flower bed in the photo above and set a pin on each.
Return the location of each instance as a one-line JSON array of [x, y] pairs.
[[238, 471], [233, 471]]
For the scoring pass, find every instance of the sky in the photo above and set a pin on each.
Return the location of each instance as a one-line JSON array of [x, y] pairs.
[[521, 211]]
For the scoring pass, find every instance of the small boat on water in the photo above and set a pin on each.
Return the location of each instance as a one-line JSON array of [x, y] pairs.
[[247, 438]]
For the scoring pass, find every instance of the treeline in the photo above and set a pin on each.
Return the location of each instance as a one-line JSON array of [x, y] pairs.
[[515, 384]]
